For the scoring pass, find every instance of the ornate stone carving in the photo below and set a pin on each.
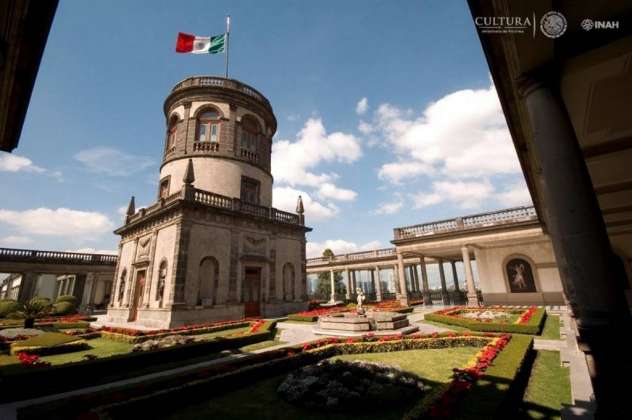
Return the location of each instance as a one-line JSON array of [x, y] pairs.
[[254, 246]]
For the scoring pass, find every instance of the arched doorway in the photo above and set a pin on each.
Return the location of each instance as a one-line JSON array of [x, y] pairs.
[[252, 291]]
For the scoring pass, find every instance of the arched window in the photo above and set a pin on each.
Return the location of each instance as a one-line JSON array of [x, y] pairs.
[[250, 131], [208, 281], [208, 123], [288, 282], [520, 276], [172, 130], [121, 290], [160, 287]]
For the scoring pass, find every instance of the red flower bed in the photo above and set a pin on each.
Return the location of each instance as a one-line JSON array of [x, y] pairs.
[[31, 360], [525, 317], [9, 340], [322, 311]]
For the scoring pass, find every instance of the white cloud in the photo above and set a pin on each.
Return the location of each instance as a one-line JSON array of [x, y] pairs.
[[362, 106], [390, 207], [15, 163], [292, 161], [338, 246], [328, 190], [57, 222], [285, 198], [466, 195], [462, 135], [15, 241], [112, 162], [515, 195], [395, 172], [365, 127]]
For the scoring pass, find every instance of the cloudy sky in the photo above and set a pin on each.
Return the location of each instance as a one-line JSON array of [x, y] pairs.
[[387, 116]]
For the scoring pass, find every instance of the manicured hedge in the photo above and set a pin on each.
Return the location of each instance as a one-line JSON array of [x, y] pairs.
[[8, 306], [48, 343], [498, 394], [302, 318], [132, 339], [533, 326], [18, 384]]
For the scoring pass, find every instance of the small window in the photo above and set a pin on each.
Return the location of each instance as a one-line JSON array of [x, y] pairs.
[[172, 130], [249, 134], [164, 188], [208, 127], [249, 190]]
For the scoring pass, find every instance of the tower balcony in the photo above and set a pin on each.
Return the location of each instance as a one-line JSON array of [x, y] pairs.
[[234, 206]]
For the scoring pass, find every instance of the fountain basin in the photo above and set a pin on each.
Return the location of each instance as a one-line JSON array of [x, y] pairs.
[[350, 324]]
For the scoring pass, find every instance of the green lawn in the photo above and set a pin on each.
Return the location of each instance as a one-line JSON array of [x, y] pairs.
[[549, 387], [260, 400], [551, 329], [100, 347], [223, 333], [433, 364]]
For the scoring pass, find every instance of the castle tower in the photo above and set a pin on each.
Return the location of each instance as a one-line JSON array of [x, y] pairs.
[[211, 247]]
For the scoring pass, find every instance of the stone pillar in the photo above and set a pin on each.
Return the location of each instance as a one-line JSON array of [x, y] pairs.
[[354, 285], [378, 284], [455, 276], [403, 294], [444, 288], [424, 282], [348, 284], [332, 279], [27, 286], [472, 297], [415, 278], [593, 280], [396, 280]]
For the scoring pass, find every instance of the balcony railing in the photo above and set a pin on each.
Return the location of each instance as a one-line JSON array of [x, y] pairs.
[[221, 82], [513, 215], [36, 256], [354, 256], [248, 155], [219, 201], [205, 146]]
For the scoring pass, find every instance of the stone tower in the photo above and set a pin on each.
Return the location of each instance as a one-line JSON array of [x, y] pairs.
[[211, 247]]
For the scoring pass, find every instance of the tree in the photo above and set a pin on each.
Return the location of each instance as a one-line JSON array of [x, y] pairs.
[[323, 283], [33, 309]]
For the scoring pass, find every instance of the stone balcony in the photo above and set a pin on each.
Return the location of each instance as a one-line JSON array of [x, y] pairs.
[[482, 220], [221, 82], [217, 201]]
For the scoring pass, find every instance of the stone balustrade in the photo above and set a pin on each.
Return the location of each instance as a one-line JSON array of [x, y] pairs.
[[220, 202], [202, 81], [60, 257], [495, 218]]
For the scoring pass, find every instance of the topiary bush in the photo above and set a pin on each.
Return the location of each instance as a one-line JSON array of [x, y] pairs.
[[8, 306], [42, 299], [64, 308], [67, 298]]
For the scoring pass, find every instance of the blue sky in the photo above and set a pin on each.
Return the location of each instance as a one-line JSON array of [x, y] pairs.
[[392, 102]]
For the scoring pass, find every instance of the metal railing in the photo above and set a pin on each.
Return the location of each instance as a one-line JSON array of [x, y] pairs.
[[513, 215], [355, 256], [60, 257]]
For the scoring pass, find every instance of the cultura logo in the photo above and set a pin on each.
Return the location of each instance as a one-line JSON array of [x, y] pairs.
[[553, 24]]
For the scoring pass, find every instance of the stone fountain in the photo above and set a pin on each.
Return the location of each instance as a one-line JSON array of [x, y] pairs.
[[350, 324]]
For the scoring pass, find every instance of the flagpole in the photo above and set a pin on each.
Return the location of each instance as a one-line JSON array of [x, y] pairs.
[[227, 43]]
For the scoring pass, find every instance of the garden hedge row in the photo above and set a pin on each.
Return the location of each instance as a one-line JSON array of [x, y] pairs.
[[133, 339], [48, 343], [302, 318], [533, 326], [18, 383]]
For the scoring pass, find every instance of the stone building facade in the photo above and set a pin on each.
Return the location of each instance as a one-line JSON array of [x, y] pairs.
[[211, 247]]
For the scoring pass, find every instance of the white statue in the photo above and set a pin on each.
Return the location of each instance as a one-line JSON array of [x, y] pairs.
[[518, 279], [360, 298]]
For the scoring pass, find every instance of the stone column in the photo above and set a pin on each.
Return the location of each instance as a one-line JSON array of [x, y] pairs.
[[455, 276], [354, 285], [332, 279], [396, 280], [378, 284], [27, 286], [415, 278], [403, 294], [592, 277], [348, 284], [424, 282], [472, 297], [444, 287]]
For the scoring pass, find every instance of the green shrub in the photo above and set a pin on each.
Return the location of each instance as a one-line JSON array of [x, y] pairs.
[[64, 308], [48, 343], [8, 306], [41, 299], [67, 298], [302, 318]]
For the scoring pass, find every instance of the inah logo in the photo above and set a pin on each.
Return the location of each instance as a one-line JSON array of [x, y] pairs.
[[587, 24], [553, 24]]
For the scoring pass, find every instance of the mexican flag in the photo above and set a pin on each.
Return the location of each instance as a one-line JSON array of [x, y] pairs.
[[188, 43]]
